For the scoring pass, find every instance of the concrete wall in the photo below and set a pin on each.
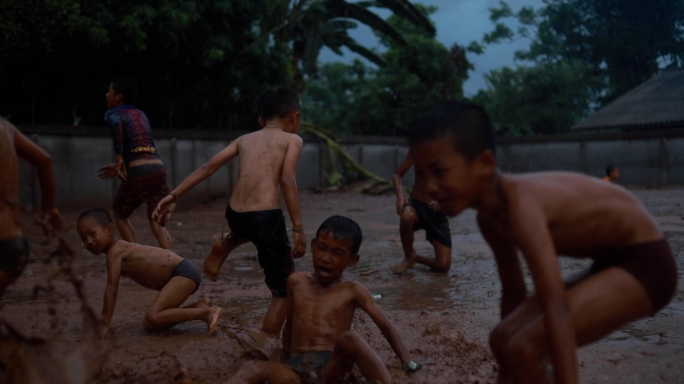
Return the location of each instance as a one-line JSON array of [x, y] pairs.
[[652, 159]]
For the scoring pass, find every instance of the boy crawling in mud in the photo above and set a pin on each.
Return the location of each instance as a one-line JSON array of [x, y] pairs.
[[267, 166], [14, 249], [544, 215], [154, 268], [320, 310]]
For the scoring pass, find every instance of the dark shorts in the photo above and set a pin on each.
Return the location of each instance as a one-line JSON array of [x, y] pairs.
[[308, 362], [186, 269], [435, 224], [145, 184], [651, 263], [266, 229], [14, 256]]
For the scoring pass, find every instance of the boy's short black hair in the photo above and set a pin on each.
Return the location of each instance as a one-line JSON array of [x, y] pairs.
[[343, 228], [126, 87], [610, 168], [100, 215], [278, 102], [467, 123]]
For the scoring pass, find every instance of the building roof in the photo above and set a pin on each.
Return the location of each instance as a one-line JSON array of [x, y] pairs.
[[657, 103]]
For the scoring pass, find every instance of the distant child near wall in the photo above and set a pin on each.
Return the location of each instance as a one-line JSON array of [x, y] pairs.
[[421, 212], [154, 268], [612, 173], [14, 250], [267, 166], [142, 173], [544, 215], [321, 308]]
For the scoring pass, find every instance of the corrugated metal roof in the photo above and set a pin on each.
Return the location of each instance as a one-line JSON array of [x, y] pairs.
[[657, 103]]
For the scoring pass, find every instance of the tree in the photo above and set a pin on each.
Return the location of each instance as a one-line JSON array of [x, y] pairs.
[[543, 99], [625, 41]]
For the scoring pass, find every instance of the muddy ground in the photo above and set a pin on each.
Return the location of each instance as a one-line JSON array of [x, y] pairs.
[[443, 318]]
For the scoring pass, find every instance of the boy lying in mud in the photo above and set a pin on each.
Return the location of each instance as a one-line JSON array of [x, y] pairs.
[[544, 215], [320, 311], [154, 268]]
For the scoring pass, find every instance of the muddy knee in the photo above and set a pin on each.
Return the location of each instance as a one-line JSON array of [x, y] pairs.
[[522, 356], [151, 321], [348, 341], [498, 338]]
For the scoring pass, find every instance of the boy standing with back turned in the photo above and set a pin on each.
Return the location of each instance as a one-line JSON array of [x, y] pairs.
[[142, 173], [268, 162], [544, 215]]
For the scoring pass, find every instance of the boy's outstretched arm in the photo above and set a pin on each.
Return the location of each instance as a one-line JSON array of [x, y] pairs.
[[365, 301], [167, 205], [397, 178], [513, 290], [113, 276], [28, 150], [288, 184], [531, 232]]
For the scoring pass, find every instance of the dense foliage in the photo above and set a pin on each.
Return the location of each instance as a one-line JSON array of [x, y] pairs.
[[198, 63], [583, 54]]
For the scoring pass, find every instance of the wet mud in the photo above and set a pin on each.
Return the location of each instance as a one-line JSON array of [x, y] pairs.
[[444, 319]]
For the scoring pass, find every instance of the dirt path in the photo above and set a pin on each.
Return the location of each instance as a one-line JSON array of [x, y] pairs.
[[444, 319]]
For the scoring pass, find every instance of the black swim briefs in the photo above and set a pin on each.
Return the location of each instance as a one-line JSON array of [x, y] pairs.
[[308, 362], [14, 256], [436, 224], [186, 269], [651, 263], [266, 229]]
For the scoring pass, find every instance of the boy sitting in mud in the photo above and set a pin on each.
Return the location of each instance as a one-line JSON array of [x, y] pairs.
[[154, 268], [267, 165], [544, 215], [421, 212], [14, 250], [320, 311]]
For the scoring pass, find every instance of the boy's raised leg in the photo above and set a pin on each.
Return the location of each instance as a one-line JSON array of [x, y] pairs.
[[351, 349], [275, 315], [219, 253], [407, 220], [253, 372], [162, 235], [599, 305], [165, 312]]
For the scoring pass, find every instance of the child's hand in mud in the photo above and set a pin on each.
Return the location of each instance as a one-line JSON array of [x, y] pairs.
[[434, 206], [104, 331], [299, 248], [162, 213], [108, 171], [182, 377]]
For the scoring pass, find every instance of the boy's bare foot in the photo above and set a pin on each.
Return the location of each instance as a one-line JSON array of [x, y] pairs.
[[215, 313], [182, 377], [219, 253], [403, 266]]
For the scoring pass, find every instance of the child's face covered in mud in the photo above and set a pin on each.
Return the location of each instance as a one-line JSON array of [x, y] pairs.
[[95, 237], [331, 257]]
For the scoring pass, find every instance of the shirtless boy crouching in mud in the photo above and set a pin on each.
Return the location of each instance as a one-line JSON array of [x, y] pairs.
[[267, 166], [154, 268], [544, 215]]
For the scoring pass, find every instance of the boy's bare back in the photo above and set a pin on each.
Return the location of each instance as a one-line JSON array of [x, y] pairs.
[[262, 157], [9, 184], [321, 313], [583, 216], [150, 267]]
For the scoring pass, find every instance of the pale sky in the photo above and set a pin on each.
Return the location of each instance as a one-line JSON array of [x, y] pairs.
[[457, 21]]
